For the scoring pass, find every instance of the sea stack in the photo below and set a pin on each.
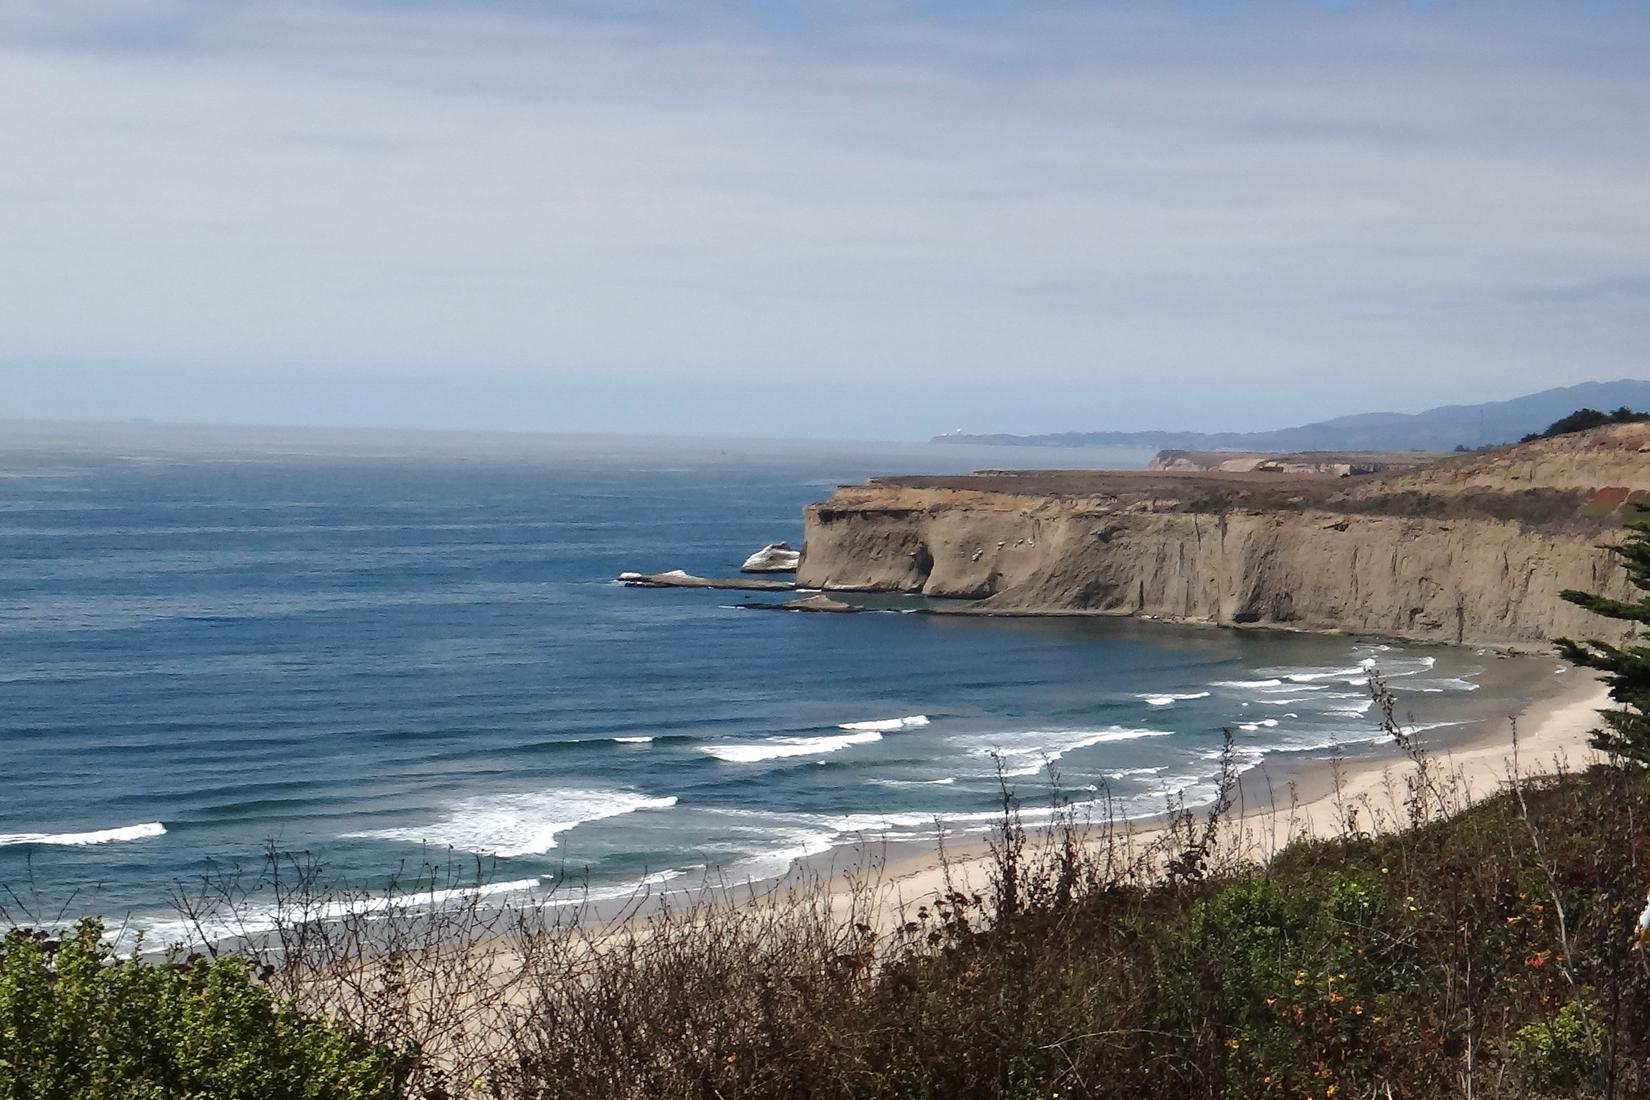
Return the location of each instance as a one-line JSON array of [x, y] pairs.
[[776, 557]]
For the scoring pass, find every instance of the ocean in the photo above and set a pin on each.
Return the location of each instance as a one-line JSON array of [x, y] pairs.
[[387, 649]]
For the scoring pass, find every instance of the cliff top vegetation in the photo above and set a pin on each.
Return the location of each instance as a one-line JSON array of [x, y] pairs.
[[1584, 420]]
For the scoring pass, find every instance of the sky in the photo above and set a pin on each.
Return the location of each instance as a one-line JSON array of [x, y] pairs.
[[822, 219]]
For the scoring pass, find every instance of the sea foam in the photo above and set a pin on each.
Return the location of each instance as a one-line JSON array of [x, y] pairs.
[[77, 840], [519, 824]]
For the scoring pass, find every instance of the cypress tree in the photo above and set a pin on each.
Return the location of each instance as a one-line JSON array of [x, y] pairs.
[[1626, 733]]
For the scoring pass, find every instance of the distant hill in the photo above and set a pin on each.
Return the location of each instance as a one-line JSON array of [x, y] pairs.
[[1439, 429]]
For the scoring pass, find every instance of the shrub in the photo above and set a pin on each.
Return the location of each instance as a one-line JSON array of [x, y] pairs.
[[76, 1020], [1560, 1053]]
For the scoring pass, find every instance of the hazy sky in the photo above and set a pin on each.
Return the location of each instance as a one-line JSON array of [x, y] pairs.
[[825, 219]]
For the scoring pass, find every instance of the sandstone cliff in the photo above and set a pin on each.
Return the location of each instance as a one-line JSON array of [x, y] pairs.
[[1471, 550]]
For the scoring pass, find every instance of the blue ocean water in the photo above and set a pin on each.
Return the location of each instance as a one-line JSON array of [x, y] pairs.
[[381, 648]]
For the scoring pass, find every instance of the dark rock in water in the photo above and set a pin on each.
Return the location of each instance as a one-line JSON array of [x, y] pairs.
[[776, 557], [677, 578], [806, 603]]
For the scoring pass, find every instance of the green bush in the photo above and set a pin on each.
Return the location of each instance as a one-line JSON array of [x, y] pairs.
[[76, 1020], [1560, 1053]]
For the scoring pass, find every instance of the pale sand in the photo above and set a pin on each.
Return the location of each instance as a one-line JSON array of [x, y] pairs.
[[1272, 807]]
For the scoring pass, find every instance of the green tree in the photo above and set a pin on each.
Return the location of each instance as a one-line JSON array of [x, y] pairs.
[[1627, 731], [1584, 419]]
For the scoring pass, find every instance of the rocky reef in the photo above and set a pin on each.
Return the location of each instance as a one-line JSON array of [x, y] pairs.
[[1473, 549]]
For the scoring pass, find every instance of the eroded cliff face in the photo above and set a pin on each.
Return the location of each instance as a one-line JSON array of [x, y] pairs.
[[1471, 569]]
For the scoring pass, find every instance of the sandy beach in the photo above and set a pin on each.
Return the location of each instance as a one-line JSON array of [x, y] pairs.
[[1274, 804]]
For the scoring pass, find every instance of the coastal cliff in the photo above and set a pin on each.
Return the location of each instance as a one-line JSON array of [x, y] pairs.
[[1469, 550]]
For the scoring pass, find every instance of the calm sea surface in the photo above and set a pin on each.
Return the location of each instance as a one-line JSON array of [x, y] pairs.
[[378, 649]]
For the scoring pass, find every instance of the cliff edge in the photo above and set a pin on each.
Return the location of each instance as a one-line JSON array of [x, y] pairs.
[[1474, 549]]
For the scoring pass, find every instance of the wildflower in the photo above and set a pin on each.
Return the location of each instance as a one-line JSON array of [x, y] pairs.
[[1357, 1010], [732, 1058], [1336, 998], [1331, 1090], [1232, 1044]]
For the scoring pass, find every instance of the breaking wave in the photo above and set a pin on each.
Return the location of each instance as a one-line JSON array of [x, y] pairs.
[[518, 824], [1169, 699], [78, 840], [1026, 753], [887, 725], [780, 748]]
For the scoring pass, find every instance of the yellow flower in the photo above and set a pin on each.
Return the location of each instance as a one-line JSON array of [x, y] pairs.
[[732, 1058], [1232, 1044], [1331, 1090]]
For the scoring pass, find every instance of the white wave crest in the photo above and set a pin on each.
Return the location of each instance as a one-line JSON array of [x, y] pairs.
[[946, 782], [518, 824], [1026, 753], [256, 921], [1133, 773], [779, 748], [78, 840], [1442, 684], [1168, 699], [1312, 675], [887, 725], [632, 740]]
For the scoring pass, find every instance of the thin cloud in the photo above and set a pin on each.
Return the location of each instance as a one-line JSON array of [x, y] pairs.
[[963, 206]]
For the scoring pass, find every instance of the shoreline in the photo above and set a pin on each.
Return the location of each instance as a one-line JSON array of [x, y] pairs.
[[1271, 806], [1282, 797]]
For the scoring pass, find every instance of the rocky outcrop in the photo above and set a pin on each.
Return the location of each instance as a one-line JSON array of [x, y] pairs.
[[1472, 550], [816, 603], [776, 557], [677, 578]]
